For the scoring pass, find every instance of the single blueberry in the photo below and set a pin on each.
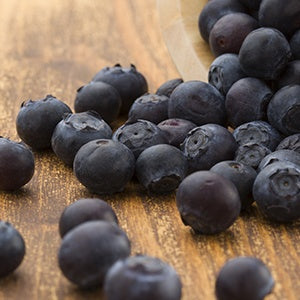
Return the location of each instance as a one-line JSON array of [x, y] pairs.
[[139, 135], [16, 165], [198, 102], [104, 166], [151, 107], [100, 97], [142, 277], [75, 130], [168, 87], [224, 71], [244, 277], [208, 202], [284, 110], [291, 142], [207, 145], [161, 168], [36, 121], [12, 248], [276, 191]]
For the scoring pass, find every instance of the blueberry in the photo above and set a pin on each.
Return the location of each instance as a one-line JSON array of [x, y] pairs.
[[284, 110], [36, 121], [247, 101], [89, 250], [259, 132], [280, 155], [241, 175], [198, 102], [295, 44], [104, 166], [16, 165], [224, 71], [213, 11], [130, 83], [100, 97], [168, 87], [282, 15], [276, 191], [12, 248], [246, 278], [142, 277], [151, 107], [176, 130], [74, 131], [291, 142], [140, 135], [161, 168], [290, 75], [208, 202], [257, 55], [207, 145], [251, 4], [229, 32], [84, 210], [251, 154]]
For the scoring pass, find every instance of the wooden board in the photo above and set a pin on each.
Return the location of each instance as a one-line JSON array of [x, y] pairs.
[[55, 47], [190, 53]]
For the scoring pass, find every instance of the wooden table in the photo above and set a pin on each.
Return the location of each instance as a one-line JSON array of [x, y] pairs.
[[54, 47]]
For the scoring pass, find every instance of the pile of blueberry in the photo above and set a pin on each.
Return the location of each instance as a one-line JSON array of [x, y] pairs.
[[222, 145]]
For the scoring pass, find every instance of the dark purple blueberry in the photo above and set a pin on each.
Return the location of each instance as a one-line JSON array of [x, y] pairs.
[[176, 130], [84, 210], [247, 101], [198, 102], [16, 165], [104, 166], [284, 110], [246, 278], [241, 175], [151, 107], [282, 15], [213, 11], [259, 132], [295, 44], [251, 154], [140, 135], [36, 121], [161, 168], [12, 248], [142, 277], [208, 202], [277, 193], [280, 155], [229, 32], [224, 71], [291, 142], [100, 97], [130, 83], [89, 250], [257, 55], [74, 131], [290, 75], [251, 4], [207, 145], [168, 87]]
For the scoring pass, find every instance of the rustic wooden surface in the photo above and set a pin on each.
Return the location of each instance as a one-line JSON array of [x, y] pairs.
[[53, 47]]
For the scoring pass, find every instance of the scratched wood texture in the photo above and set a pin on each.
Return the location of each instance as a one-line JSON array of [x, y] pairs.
[[53, 47]]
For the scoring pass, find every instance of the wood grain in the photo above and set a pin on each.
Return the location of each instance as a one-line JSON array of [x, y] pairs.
[[53, 47]]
